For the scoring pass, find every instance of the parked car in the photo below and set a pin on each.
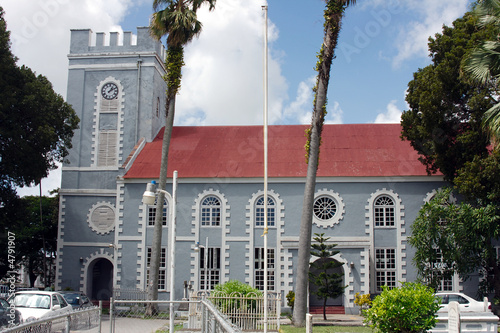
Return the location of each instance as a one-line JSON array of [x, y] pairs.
[[34, 305], [76, 299], [8, 316], [465, 303]]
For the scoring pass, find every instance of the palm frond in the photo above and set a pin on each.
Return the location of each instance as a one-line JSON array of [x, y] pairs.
[[491, 120], [484, 62]]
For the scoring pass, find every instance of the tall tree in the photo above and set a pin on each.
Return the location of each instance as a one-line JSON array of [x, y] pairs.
[[35, 235], [328, 281], [36, 125], [445, 125], [441, 235], [444, 122], [177, 20], [483, 64], [333, 15]]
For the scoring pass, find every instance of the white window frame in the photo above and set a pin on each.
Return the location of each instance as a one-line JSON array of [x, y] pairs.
[[162, 279], [259, 212], [259, 268], [385, 268], [210, 213], [384, 215]]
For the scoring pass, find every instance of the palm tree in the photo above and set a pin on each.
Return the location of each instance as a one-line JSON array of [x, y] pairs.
[[177, 20], [333, 14], [483, 64]]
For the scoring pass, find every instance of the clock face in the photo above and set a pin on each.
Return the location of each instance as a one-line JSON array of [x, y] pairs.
[[109, 90]]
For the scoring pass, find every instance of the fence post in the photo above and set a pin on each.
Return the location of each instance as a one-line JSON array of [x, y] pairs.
[[203, 318], [100, 317], [111, 319], [309, 323], [68, 318]]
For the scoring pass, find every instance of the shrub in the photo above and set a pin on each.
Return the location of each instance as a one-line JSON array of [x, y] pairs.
[[234, 295], [409, 309], [363, 301], [235, 286], [290, 299]]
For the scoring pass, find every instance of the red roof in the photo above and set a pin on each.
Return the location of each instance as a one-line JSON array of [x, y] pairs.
[[360, 150]]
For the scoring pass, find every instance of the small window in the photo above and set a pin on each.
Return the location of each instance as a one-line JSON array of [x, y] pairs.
[[210, 211], [152, 214], [259, 212], [162, 270], [384, 212]]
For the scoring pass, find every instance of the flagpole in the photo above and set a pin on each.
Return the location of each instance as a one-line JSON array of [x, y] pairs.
[[265, 165]]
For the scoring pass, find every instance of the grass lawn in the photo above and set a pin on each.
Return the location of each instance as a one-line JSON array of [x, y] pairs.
[[325, 329]]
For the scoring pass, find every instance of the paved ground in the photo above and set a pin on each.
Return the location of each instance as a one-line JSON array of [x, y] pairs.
[[134, 325], [334, 319]]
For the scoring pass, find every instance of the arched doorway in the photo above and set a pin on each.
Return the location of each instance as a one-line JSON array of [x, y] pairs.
[[100, 279], [314, 301]]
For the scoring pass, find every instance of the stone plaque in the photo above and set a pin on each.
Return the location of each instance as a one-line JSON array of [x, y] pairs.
[[453, 318]]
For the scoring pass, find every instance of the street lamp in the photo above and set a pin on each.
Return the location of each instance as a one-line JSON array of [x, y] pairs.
[[197, 247], [148, 198]]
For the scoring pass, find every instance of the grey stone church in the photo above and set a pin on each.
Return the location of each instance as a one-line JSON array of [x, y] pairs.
[[370, 187]]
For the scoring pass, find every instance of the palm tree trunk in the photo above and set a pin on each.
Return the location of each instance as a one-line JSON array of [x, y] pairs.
[[332, 27], [157, 231], [324, 308]]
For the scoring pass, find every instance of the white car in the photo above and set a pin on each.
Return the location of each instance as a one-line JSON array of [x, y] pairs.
[[39, 304], [465, 303]]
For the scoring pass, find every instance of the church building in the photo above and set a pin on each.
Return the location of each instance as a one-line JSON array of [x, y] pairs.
[[370, 187]]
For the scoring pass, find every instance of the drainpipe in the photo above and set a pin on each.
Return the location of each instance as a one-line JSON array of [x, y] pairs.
[[139, 66]]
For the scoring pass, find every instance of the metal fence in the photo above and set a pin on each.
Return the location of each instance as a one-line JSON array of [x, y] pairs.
[[126, 314], [88, 320], [244, 311]]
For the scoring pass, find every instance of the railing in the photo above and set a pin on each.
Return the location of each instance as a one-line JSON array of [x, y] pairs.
[[245, 311], [130, 294], [88, 319], [123, 312]]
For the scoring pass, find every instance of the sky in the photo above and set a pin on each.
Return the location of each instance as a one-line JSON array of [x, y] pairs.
[[381, 44]]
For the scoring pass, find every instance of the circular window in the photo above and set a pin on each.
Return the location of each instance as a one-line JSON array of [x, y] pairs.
[[328, 208], [101, 218], [325, 208]]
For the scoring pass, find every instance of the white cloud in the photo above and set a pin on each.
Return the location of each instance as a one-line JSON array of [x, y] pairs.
[[300, 109], [413, 39], [392, 115], [334, 115], [40, 31], [53, 181], [222, 80]]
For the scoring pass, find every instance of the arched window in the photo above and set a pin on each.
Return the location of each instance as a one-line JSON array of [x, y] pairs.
[[210, 211], [259, 212], [384, 212]]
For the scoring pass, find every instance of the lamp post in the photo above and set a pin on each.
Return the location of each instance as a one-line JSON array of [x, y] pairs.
[[197, 247], [148, 198]]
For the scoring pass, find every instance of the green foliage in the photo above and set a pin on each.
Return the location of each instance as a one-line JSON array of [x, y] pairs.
[[30, 233], [479, 180], [174, 63], [36, 125], [234, 295], [409, 309], [444, 122], [322, 272], [290, 299], [363, 301], [235, 286], [448, 227]]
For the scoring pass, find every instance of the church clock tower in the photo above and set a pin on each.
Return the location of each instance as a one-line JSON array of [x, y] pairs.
[[117, 89]]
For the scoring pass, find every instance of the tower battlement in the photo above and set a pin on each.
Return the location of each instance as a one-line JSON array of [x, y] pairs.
[[82, 42]]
